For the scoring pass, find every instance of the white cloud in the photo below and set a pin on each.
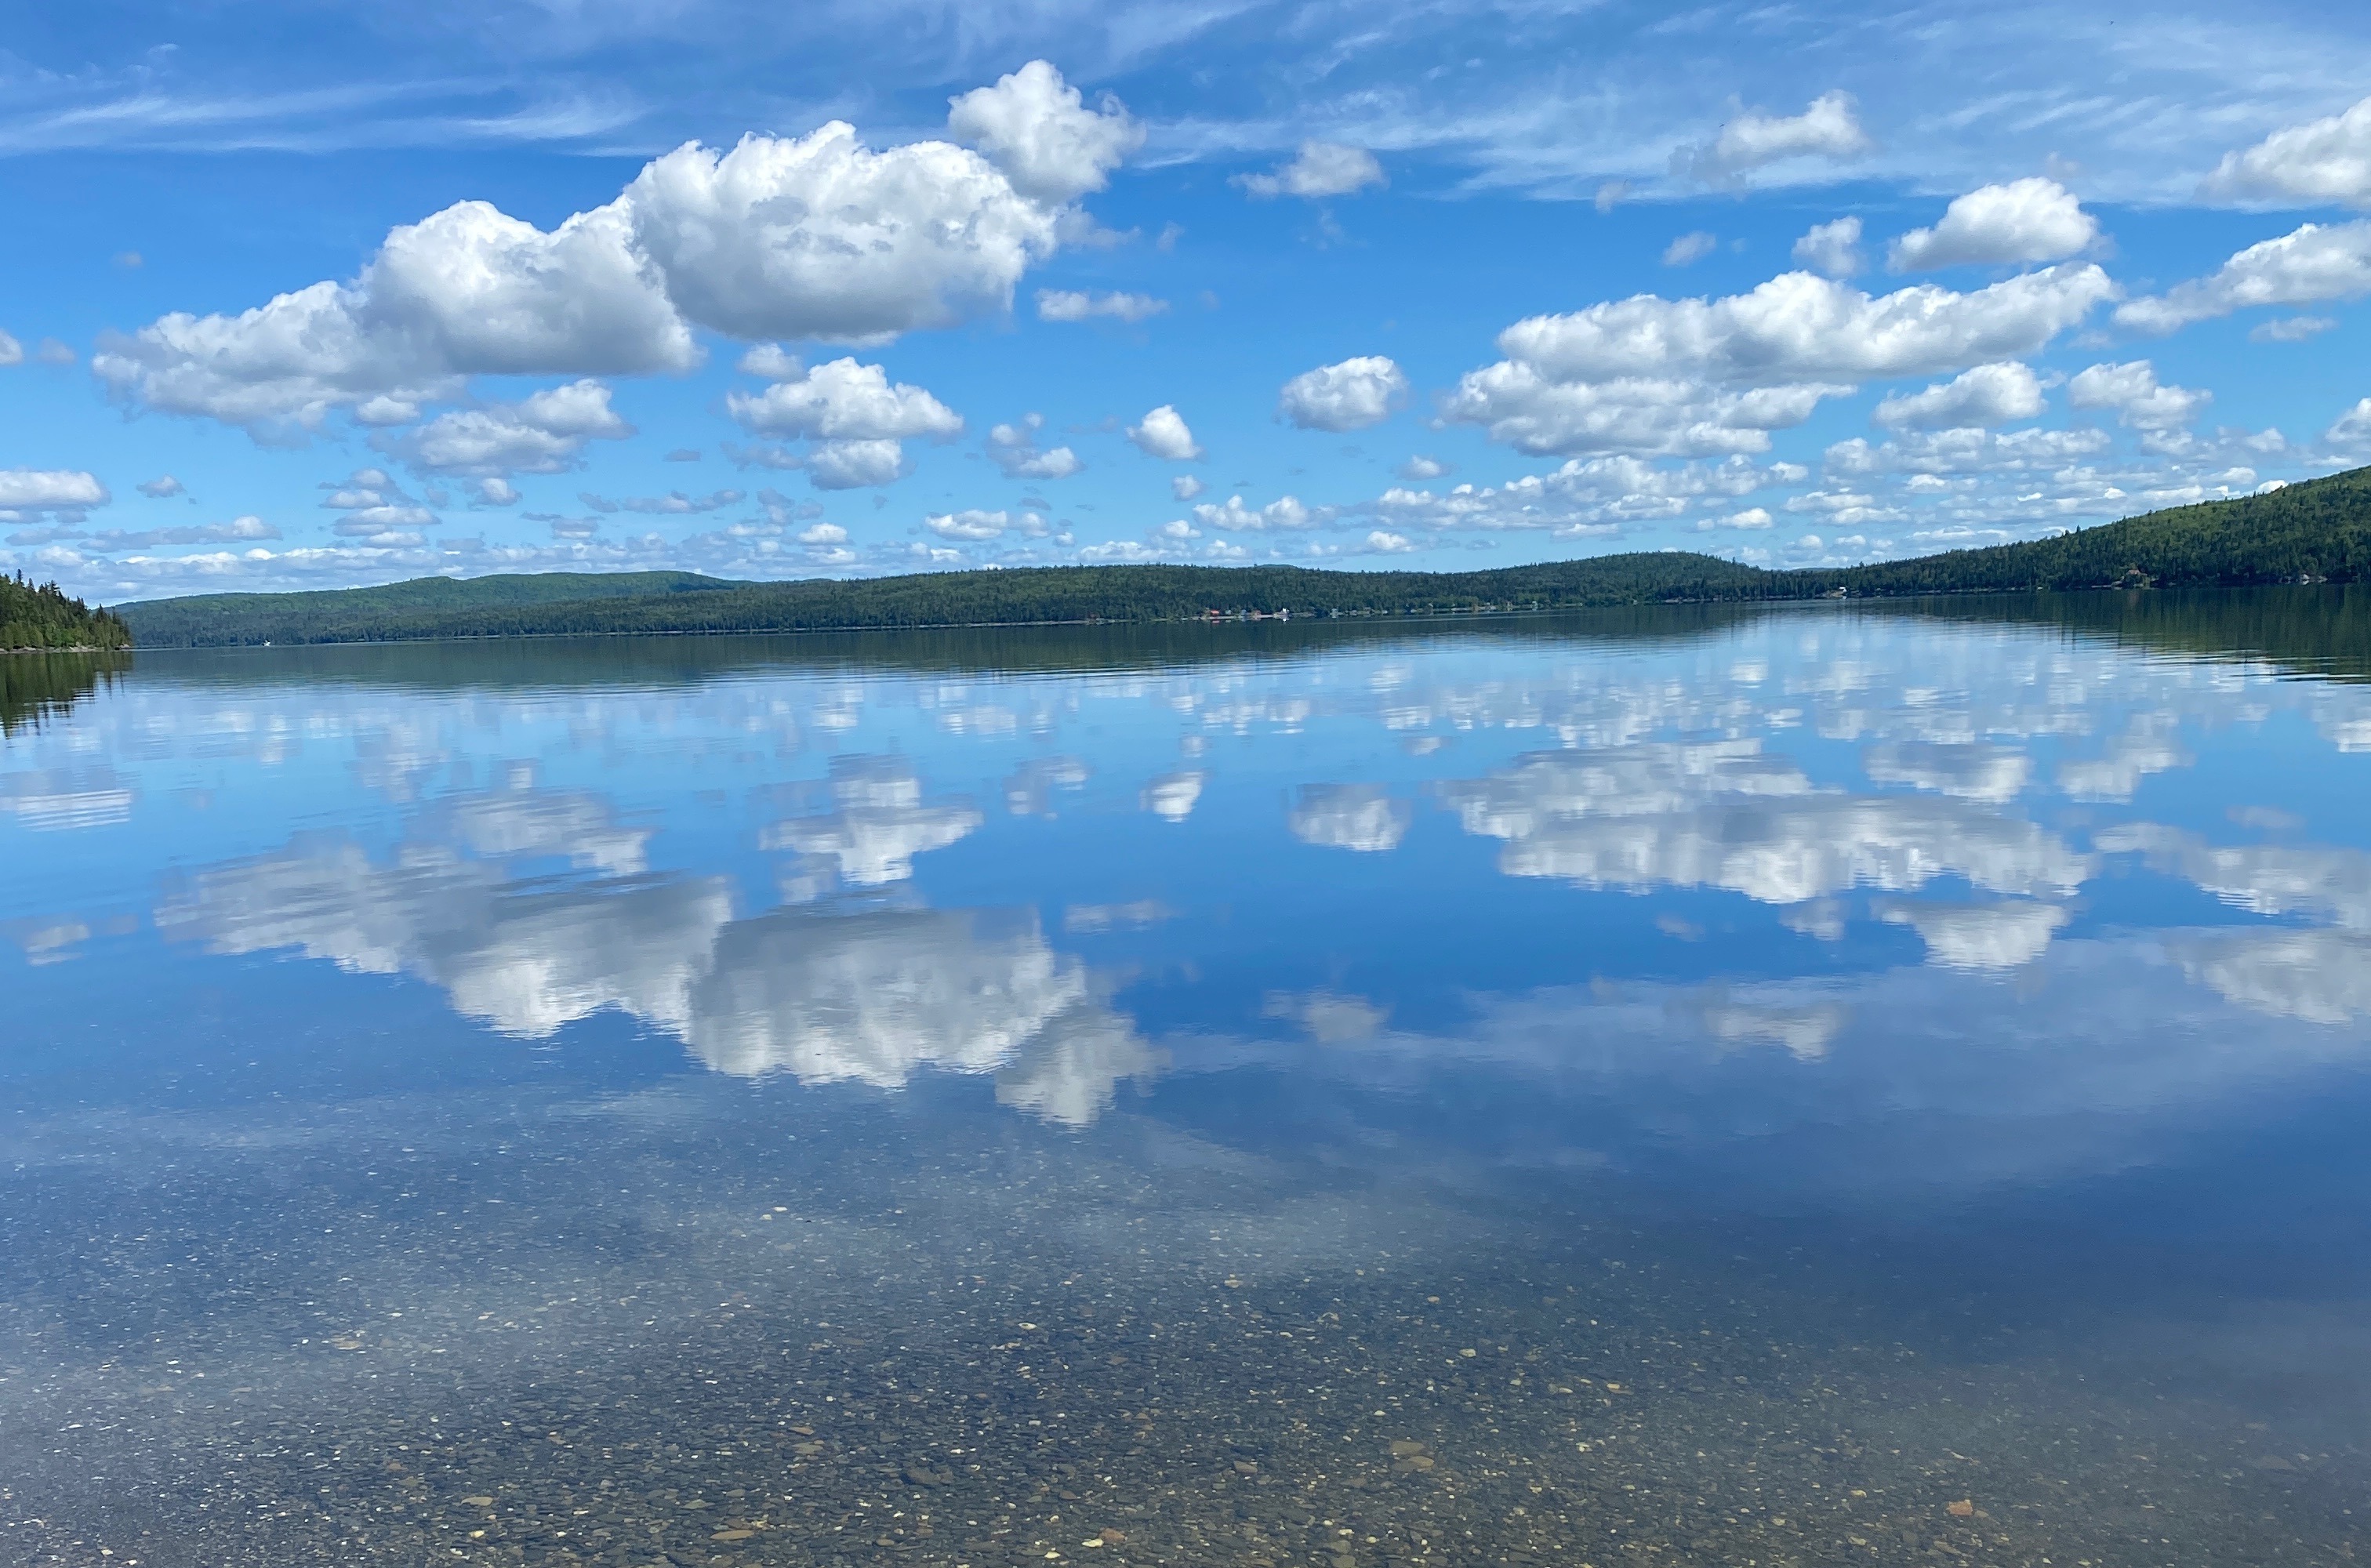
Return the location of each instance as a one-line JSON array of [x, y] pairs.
[[1833, 249], [771, 361], [847, 465], [2026, 220], [1069, 304], [1349, 395], [1163, 434], [817, 236], [1827, 129], [1987, 394], [842, 400], [1690, 248], [1584, 499], [2352, 432], [1681, 378], [2290, 328], [1382, 541], [50, 489], [493, 490], [1284, 515], [1749, 520], [1037, 129], [970, 526], [2310, 264], [160, 487], [239, 530], [11, 351], [823, 533], [1420, 467], [464, 291], [2132, 390], [2322, 160], [1184, 487], [1014, 451], [1321, 169], [823, 237], [1664, 417], [543, 433]]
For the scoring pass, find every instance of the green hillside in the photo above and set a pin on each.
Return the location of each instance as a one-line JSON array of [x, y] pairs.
[[37, 618], [2315, 531]]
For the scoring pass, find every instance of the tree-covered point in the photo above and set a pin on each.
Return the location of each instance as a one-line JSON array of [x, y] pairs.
[[46, 618], [2315, 531]]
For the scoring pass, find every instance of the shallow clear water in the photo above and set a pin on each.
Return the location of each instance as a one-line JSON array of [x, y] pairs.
[[1814, 1087]]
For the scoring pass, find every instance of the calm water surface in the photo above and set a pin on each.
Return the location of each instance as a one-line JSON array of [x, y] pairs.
[[1809, 1087]]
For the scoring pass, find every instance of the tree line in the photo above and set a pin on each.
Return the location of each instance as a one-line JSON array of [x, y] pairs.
[[2317, 531], [46, 618]]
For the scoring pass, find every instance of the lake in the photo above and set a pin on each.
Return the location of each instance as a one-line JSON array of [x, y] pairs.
[[1817, 1085]]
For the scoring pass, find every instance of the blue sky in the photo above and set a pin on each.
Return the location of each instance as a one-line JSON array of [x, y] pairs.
[[307, 297]]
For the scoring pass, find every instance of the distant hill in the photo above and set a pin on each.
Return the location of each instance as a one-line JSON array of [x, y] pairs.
[[38, 619], [2317, 531]]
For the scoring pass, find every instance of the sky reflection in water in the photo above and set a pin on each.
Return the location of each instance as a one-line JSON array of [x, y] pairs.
[[1939, 1023]]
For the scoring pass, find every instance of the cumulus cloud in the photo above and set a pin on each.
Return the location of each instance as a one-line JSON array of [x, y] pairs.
[[1698, 377], [1014, 451], [2033, 219], [1420, 467], [1590, 498], [1833, 249], [2312, 263], [771, 361], [976, 526], [542, 434], [1690, 248], [1284, 515], [2134, 391], [823, 237], [2322, 160], [1163, 433], [494, 491], [843, 401], [1036, 128], [1319, 171], [1184, 487], [1068, 305], [851, 464], [817, 236], [160, 487], [1987, 394], [50, 489], [11, 351], [468, 291], [1349, 395], [1827, 129]]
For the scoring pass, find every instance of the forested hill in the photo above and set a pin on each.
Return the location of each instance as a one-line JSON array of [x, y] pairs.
[[2318, 530], [43, 618]]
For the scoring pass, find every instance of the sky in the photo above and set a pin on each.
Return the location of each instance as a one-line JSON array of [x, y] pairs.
[[309, 297]]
